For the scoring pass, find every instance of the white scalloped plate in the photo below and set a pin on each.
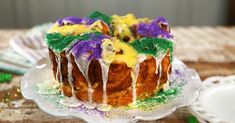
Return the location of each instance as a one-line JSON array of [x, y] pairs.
[[216, 101], [187, 78]]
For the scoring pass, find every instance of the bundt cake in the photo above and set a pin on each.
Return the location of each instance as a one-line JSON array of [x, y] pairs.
[[110, 60]]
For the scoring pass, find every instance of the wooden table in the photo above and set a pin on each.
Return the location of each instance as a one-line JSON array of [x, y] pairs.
[[211, 51]]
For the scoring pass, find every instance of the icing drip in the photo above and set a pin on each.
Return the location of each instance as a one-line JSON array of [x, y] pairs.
[[90, 105], [70, 77], [157, 63], [134, 76], [105, 71], [166, 86], [83, 66], [57, 68], [58, 71], [160, 73], [159, 67]]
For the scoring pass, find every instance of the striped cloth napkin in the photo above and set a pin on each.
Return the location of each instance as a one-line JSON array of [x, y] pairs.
[[32, 45]]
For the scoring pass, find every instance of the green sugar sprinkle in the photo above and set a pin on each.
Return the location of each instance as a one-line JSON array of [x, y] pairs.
[[59, 42], [101, 16], [192, 119], [153, 46], [160, 97], [5, 77]]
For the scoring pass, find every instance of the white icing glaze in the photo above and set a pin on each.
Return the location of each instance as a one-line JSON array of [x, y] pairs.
[[105, 72], [134, 76], [70, 102], [104, 107], [83, 66], [58, 71], [70, 77], [90, 105], [159, 65], [166, 86], [160, 73], [59, 59]]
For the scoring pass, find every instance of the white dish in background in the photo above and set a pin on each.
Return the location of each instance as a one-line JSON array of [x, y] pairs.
[[216, 102], [187, 78]]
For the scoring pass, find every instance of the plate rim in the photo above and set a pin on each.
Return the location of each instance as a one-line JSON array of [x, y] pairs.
[[212, 82], [138, 118]]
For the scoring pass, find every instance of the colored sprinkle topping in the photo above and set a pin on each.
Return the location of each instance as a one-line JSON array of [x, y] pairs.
[[59, 42], [48, 87], [5, 77], [89, 48], [160, 97], [153, 46], [71, 20], [115, 50], [99, 15], [85, 36], [159, 27]]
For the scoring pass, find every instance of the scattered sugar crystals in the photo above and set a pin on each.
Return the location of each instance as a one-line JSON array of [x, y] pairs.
[[5, 77], [48, 87], [70, 102], [11, 98]]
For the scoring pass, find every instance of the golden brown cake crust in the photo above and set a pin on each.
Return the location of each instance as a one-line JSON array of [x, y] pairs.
[[119, 85]]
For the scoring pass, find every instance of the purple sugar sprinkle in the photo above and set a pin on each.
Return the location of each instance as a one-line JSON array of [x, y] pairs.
[[160, 19], [84, 110], [177, 72], [89, 21], [153, 29], [90, 47], [75, 20], [69, 20]]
